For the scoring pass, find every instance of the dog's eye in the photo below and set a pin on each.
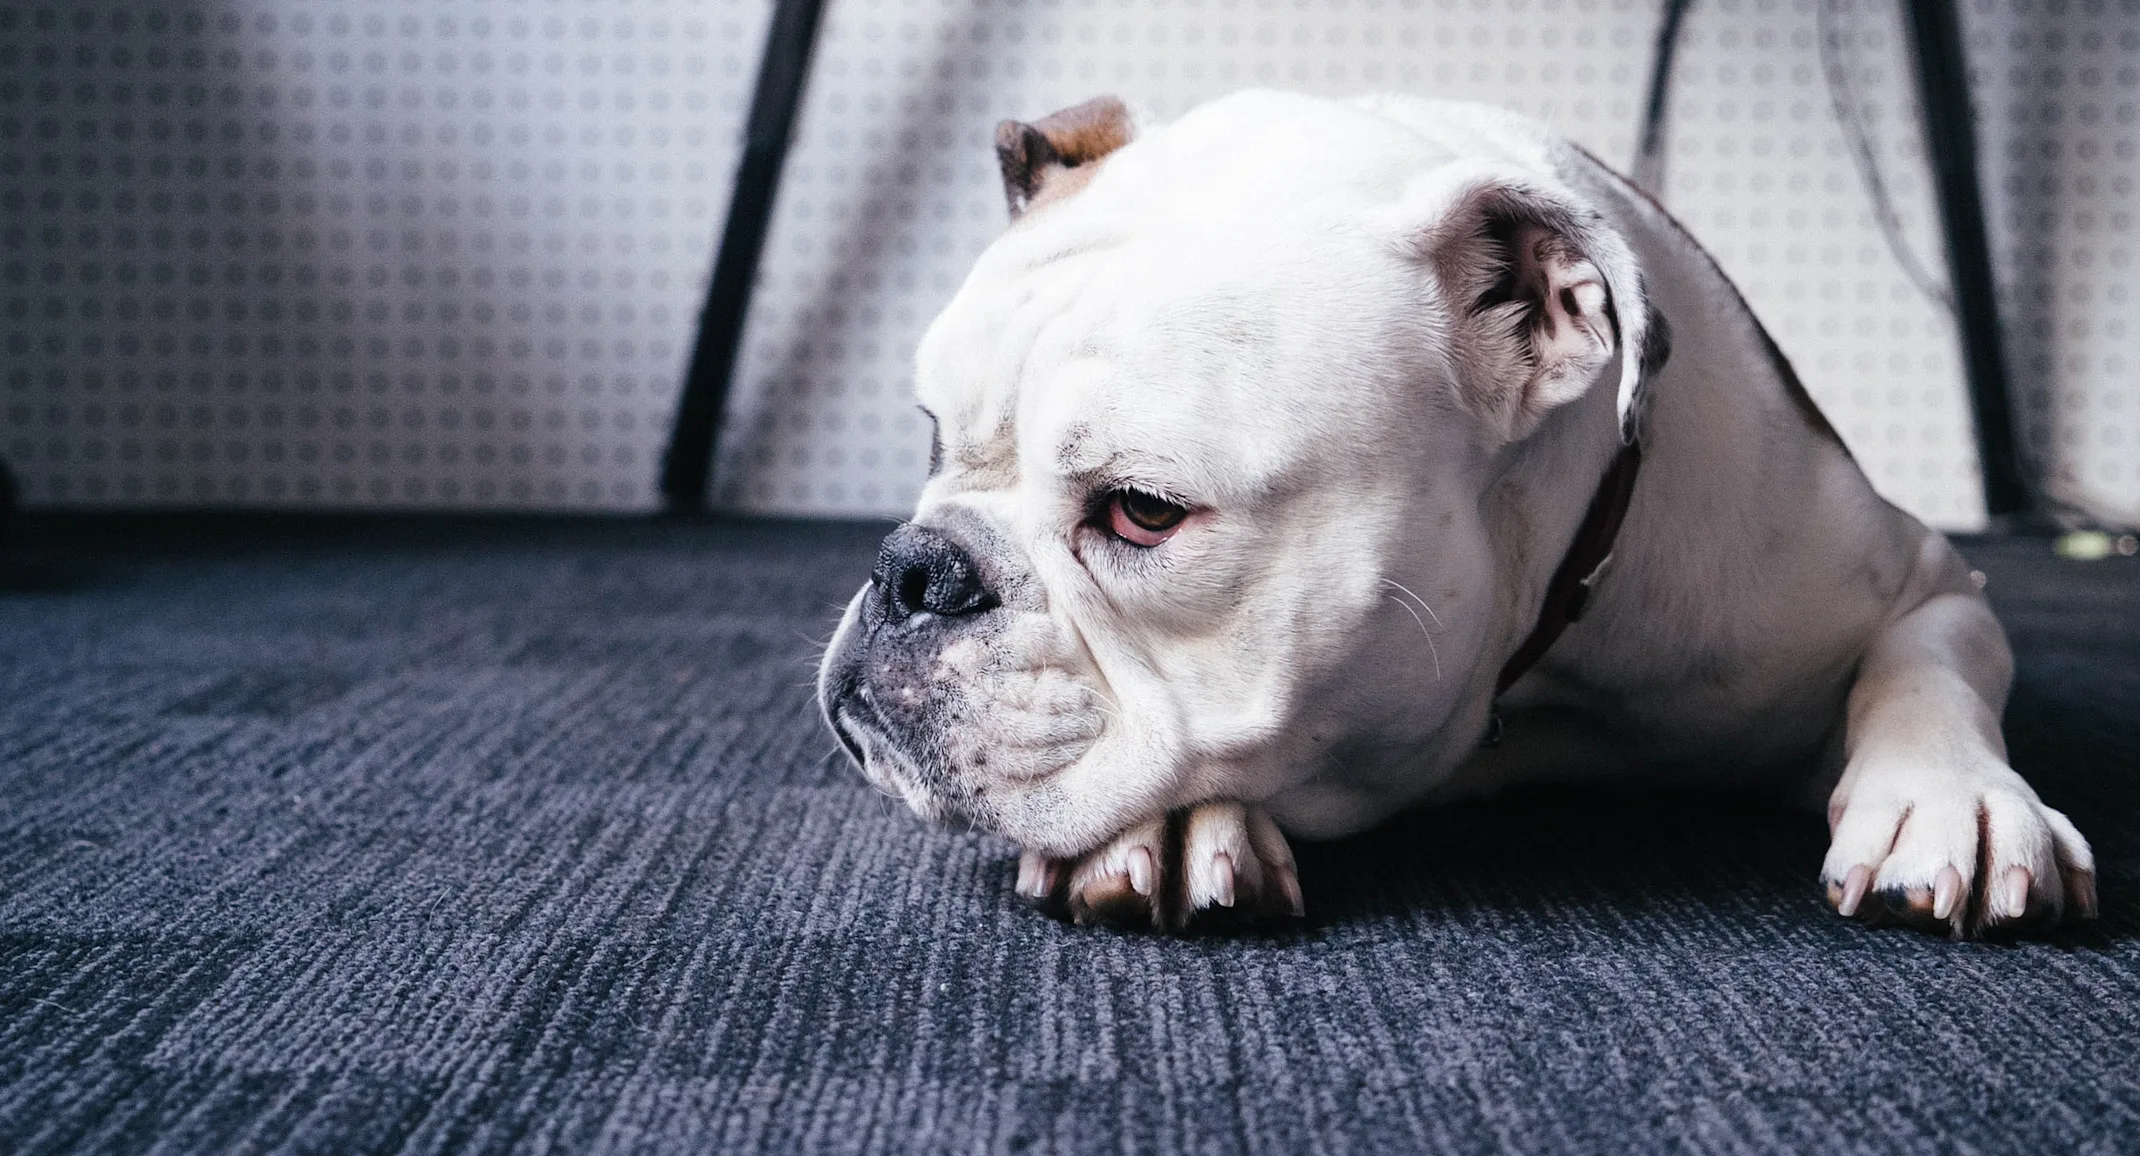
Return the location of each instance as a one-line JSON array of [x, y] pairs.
[[1142, 519]]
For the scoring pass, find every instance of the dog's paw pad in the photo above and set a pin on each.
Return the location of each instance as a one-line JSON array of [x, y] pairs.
[[1119, 886], [1212, 865], [1988, 860]]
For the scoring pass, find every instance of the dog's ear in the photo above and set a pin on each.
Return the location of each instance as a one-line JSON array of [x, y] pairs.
[[1040, 160], [1543, 296]]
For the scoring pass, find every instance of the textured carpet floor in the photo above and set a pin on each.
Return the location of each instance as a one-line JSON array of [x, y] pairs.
[[433, 835]]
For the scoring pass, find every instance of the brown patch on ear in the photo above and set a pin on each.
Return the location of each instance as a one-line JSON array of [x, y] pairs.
[[1052, 157]]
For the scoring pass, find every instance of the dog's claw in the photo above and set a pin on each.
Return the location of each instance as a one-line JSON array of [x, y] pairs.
[[2081, 886], [2014, 893], [1141, 870], [1032, 874], [1854, 885], [1946, 893], [1212, 863], [1289, 884]]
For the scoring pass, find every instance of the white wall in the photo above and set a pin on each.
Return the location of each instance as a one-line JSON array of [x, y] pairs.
[[450, 253], [2058, 89], [335, 252]]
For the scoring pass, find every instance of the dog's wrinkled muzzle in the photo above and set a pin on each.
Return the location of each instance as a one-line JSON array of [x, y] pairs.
[[882, 690]]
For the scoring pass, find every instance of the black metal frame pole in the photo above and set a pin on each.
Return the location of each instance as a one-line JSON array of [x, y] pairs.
[[1950, 135], [1648, 169], [686, 467]]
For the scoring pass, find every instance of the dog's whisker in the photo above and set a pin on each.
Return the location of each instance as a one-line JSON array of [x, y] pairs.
[[1432, 650], [1107, 706], [1416, 598]]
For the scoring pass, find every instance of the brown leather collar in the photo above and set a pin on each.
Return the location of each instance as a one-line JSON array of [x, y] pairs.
[[1569, 591]]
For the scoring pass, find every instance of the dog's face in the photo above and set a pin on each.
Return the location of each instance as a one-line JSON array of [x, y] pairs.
[[1213, 422]]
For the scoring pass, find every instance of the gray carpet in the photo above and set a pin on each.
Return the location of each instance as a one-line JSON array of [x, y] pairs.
[[433, 835]]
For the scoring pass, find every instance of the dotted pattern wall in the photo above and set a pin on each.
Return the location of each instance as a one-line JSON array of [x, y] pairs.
[[400, 252], [451, 252], [1759, 170], [2058, 93]]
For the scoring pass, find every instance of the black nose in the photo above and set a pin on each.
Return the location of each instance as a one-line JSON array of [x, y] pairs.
[[919, 571]]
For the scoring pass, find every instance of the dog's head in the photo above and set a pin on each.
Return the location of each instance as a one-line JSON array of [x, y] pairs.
[[1213, 421]]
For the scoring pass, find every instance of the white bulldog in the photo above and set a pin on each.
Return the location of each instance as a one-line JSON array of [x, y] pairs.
[[1281, 451]]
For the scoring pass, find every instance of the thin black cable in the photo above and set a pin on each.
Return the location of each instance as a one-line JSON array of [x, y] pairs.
[[1828, 18]]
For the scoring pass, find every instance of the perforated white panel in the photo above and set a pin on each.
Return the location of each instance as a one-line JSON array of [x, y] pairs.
[[451, 252], [1759, 171], [400, 252], [2058, 93]]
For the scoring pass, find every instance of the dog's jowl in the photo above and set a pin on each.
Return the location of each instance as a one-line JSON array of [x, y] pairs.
[[1289, 451]]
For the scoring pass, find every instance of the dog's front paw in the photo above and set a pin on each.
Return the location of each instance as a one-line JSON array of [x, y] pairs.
[[1209, 865], [1971, 854]]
